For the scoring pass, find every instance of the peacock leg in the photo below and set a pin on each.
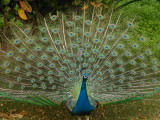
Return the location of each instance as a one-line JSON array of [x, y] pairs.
[[79, 118], [87, 117]]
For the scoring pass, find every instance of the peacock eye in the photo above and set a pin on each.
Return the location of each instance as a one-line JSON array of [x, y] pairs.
[[85, 77]]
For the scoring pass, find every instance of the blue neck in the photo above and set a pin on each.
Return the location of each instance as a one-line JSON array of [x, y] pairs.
[[83, 87], [83, 105]]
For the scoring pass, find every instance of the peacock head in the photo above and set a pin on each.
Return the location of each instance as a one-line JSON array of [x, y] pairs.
[[85, 76]]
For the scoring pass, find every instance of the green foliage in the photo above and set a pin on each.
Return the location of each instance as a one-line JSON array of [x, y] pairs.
[[1, 21], [5, 2], [9, 8], [147, 22]]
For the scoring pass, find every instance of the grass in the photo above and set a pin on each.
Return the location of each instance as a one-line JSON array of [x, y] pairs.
[[148, 109]]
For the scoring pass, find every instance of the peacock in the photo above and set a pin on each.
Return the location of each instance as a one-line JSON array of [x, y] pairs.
[[82, 58]]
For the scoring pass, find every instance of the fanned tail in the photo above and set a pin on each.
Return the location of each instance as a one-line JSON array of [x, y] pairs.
[[45, 67]]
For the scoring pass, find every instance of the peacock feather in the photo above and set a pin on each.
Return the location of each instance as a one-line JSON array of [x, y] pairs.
[[82, 57]]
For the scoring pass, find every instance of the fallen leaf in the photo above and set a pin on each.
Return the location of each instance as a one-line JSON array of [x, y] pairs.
[[2, 105], [13, 111], [96, 4], [85, 7], [142, 117], [22, 14], [16, 116], [25, 5]]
